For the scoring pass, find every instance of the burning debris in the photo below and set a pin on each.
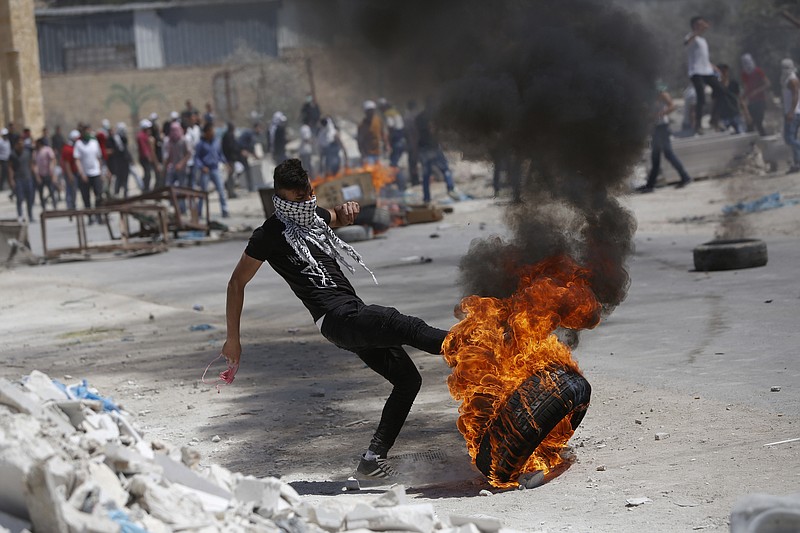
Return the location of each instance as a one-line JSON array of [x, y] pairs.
[[517, 382], [72, 461]]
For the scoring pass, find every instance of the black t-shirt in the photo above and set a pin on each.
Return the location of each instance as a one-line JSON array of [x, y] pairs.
[[268, 244], [728, 105]]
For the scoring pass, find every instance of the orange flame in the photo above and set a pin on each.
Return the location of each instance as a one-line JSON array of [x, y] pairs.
[[502, 342], [381, 175]]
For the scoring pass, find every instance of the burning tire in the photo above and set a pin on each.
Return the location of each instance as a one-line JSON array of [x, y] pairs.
[[529, 415], [730, 255]]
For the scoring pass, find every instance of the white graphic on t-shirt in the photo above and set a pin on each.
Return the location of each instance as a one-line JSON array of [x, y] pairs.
[[320, 280]]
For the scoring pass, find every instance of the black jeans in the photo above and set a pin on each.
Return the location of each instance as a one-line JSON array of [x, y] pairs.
[[661, 143], [376, 334], [700, 83]]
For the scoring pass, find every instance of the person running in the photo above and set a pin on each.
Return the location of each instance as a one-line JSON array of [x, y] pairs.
[[299, 244]]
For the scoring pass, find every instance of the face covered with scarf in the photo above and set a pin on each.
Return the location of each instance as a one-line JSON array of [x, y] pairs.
[[303, 226]]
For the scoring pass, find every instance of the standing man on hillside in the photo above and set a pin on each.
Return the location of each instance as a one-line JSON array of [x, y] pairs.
[[701, 71], [299, 244]]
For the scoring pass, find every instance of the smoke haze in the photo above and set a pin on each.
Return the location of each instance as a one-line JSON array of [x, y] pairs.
[[558, 94]]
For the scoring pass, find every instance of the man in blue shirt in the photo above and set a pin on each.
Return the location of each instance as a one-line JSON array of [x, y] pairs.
[[207, 157]]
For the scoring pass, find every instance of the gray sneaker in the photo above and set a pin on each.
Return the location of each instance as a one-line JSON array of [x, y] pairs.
[[375, 468]]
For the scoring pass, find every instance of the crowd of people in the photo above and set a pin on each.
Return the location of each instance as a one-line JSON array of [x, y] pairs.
[[736, 107], [193, 150]]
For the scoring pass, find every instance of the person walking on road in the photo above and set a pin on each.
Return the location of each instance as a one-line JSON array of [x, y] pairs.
[[661, 143], [298, 243]]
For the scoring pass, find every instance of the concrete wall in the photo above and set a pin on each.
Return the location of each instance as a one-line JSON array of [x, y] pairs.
[[255, 83], [20, 85]]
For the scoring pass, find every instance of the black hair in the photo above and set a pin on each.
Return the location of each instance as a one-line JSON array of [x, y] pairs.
[[208, 126], [291, 176], [723, 66], [694, 20]]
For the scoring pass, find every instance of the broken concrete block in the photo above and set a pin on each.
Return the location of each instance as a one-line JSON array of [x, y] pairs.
[[392, 497], [21, 446], [485, 523], [77, 521], [111, 489], [20, 400], [219, 476], [12, 524], [42, 386], [180, 510], [100, 426], [176, 472], [327, 517], [127, 461], [290, 495], [419, 517], [265, 493], [662, 436], [47, 485], [766, 512]]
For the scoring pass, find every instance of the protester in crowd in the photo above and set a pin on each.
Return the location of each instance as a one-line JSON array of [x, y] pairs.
[[147, 156], [412, 141], [70, 169], [372, 140], [728, 103], [45, 172], [192, 135], [21, 175], [701, 71], [299, 244], [396, 133], [431, 156], [208, 157], [661, 144], [232, 151], [158, 149], [5, 154], [119, 159], [310, 113], [89, 162], [790, 86], [57, 142], [208, 116], [176, 155], [306, 149], [278, 138], [330, 146], [247, 143], [188, 111], [27, 138], [756, 86]]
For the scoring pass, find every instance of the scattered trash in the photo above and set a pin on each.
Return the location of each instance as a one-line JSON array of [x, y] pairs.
[[635, 502], [216, 438], [601, 468], [197, 307], [434, 235], [770, 201], [201, 327], [775, 389], [662, 436]]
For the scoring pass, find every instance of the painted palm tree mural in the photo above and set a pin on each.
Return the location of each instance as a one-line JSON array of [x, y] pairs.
[[134, 97]]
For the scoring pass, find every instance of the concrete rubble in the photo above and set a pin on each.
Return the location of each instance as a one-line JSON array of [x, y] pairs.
[[73, 462]]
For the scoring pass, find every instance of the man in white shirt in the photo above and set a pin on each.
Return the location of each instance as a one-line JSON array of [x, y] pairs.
[[701, 71], [88, 159]]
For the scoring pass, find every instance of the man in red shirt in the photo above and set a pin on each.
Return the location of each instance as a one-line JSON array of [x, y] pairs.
[[756, 85], [69, 167]]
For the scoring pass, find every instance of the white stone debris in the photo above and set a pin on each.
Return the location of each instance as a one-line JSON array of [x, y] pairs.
[[68, 465]]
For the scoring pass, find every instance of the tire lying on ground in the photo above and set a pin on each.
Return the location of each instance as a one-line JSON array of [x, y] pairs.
[[527, 417], [354, 233], [730, 255], [376, 217]]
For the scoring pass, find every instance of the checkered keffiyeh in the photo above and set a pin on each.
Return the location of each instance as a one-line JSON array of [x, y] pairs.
[[304, 225]]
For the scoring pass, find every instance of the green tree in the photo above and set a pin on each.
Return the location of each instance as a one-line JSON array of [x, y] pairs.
[[134, 97]]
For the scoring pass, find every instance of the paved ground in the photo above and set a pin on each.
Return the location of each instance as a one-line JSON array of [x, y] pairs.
[[691, 354]]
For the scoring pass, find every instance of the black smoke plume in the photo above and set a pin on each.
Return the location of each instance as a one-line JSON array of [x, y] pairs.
[[558, 94]]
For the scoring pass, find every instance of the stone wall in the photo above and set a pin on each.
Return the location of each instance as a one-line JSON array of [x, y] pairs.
[[255, 83], [20, 86]]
